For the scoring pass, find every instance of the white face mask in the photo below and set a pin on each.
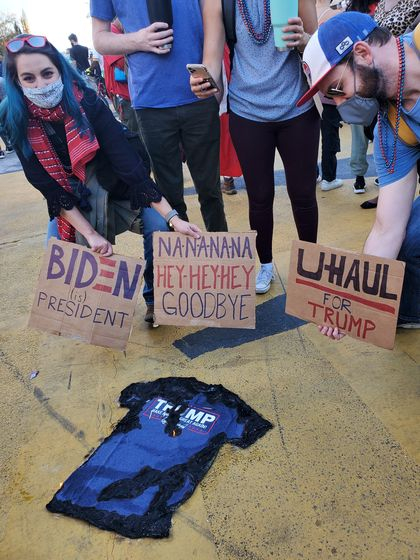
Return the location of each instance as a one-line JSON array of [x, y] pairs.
[[46, 97]]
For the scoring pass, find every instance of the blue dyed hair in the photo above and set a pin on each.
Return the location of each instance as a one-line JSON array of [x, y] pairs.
[[14, 113]]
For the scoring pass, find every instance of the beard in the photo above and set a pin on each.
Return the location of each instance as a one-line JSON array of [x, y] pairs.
[[372, 83]]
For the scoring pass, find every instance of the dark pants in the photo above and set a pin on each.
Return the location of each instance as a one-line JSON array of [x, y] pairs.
[[297, 143], [330, 126], [410, 254], [196, 127]]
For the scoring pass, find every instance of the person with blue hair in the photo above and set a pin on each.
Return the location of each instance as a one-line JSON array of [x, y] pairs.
[[58, 125]]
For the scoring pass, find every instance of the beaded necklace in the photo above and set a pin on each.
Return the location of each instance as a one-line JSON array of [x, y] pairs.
[[258, 38], [383, 142]]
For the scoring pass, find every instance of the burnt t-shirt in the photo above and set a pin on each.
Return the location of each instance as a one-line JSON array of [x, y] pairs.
[[156, 455]]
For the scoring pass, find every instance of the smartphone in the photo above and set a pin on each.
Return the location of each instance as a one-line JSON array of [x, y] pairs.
[[201, 71]]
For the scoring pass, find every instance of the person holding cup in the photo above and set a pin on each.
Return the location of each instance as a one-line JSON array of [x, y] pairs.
[[267, 80]]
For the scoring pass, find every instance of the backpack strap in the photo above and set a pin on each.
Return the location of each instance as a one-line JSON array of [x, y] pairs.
[[229, 21]]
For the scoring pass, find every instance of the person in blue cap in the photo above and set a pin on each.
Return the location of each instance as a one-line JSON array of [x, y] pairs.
[[367, 71]]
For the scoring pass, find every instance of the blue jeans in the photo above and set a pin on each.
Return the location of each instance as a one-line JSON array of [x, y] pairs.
[[410, 254], [152, 221], [52, 231]]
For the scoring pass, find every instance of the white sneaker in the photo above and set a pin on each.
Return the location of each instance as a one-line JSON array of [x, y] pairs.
[[359, 190], [264, 279], [318, 179], [330, 185], [407, 325], [359, 186]]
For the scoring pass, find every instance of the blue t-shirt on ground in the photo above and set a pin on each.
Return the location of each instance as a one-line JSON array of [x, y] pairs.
[[157, 455], [407, 156], [158, 81]]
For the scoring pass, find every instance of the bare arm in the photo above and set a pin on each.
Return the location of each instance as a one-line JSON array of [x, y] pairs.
[[394, 207], [96, 242], [214, 37], [307, 12], [181, 226], [300, 29], [214, 42], [148, 39], [387, 234], [99, 244]]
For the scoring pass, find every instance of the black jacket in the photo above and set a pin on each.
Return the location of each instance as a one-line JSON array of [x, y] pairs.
[[80, 54], [134, 183]]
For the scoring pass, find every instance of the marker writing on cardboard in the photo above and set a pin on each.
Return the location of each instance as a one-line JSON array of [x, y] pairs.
[[349, 273], [84, 270]]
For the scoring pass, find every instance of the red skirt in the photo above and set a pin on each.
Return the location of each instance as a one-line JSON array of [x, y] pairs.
[[229, 163]]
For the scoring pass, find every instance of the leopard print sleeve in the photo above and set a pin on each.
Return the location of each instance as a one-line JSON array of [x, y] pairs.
[[399, 18]]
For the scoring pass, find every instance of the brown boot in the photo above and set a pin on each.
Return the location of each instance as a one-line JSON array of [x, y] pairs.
[[228, 186]]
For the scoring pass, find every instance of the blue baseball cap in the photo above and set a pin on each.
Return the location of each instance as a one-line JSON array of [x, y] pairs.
[[330, 44]]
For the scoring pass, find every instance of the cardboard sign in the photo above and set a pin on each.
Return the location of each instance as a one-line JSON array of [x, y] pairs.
[[83, 295], [357, 293], [205, 282]]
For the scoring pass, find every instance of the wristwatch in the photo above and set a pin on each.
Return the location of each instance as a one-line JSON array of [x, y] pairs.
[[169, 216]]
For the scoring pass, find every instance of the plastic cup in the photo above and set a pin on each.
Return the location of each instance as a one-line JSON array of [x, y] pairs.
[[281, 12]]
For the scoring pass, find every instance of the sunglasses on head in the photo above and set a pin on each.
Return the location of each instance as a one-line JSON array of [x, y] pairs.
[[36, 41]]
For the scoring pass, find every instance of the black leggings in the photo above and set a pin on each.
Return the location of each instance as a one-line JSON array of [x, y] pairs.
[[297, 142]]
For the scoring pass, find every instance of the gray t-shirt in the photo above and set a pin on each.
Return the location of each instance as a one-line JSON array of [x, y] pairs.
[[265, 83]]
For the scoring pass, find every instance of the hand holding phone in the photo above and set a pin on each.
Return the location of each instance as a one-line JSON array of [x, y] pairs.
[[200, 71]]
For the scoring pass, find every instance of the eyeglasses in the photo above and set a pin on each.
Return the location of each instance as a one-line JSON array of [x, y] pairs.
[[36, 41], [337, 91]]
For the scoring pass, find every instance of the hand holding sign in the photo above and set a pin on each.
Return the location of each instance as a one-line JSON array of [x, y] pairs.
[[186, 228], [99, 244], [85, 295], [332, 332], [205, 281], [345, 293]]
